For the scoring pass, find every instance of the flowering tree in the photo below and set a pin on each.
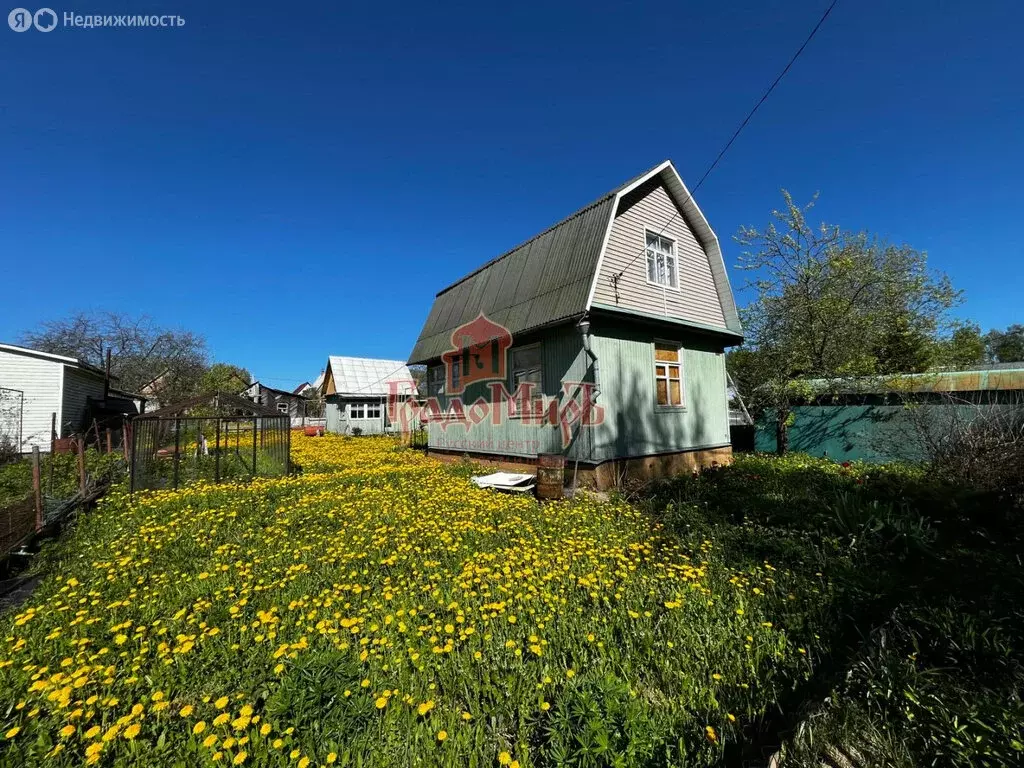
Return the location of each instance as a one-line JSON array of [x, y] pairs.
[[830, 304]]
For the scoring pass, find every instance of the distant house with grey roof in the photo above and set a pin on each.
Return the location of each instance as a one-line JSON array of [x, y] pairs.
[[628, 295], [356, 392]]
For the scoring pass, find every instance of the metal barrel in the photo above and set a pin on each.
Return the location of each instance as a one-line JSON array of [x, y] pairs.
[[550, 475]]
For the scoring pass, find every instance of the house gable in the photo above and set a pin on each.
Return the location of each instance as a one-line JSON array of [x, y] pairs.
[[659, 202], [566, 270], [622, 281]]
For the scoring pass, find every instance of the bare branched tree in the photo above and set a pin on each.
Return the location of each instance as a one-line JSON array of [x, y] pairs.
[[976, 440], [163, 363]]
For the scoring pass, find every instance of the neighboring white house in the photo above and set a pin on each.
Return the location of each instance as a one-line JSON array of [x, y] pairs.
[[356, 390], [50, 384]]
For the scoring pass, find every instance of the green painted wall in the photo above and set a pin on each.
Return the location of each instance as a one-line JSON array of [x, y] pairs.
[[634, 425], [563, 360], [869, 430]]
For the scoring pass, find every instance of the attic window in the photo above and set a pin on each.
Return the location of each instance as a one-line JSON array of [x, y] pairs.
[[282, 407], [661, 261]]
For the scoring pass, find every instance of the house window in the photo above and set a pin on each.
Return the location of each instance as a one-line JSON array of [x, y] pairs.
[[364, 411], [668, 374], [661, 261], [282, 407], [526, 368], [456, 374], [435, 381]]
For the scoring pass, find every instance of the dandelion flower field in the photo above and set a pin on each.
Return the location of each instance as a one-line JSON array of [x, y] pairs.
[[380, 610]]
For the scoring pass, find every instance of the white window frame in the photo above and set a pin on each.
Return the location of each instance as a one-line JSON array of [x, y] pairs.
[[667, 378], [357, 410], [512, 375], [649, 253], [282, 407], [373, 410]]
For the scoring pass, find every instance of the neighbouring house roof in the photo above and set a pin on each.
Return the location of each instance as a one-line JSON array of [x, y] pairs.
[[278, 392], [301, 388], [550, 278], [999, 377], [73, 362], [362, 376]]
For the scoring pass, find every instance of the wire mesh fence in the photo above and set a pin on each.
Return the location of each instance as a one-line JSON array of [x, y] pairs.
[[167, 453], [12, 408], [214, 437], [63, 480]]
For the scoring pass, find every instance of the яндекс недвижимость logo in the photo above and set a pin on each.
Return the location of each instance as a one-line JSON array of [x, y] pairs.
[[22, 19]]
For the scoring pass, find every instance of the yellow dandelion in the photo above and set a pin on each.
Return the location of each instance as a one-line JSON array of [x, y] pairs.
[[442, 735], [199, 727], [186, 710]]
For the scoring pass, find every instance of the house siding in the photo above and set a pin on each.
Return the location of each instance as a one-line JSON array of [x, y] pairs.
[[563, 360], [79, 386], [40, 380], [634, 425], [338, 421], [696, 300]]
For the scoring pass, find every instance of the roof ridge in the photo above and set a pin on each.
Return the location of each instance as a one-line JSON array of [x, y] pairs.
[[603, 199]]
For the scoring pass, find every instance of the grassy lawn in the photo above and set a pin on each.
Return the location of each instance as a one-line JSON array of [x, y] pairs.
[[380, 610], [919, 657]]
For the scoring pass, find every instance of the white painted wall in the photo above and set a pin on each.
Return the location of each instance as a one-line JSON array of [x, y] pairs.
[[42, 382]]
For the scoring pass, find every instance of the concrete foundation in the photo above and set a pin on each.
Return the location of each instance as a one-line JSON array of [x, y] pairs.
[[607, 474]]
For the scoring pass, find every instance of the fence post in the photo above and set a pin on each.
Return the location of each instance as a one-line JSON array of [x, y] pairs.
[[177, 450], [37, 487], [81, 465], [53, 433], [216, 455], [254, 447], [124, 440], [110, 441]]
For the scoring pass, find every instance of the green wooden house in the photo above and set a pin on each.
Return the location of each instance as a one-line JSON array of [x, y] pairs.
[[625, 305]]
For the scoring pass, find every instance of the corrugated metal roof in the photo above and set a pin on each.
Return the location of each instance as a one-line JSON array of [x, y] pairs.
[[548, 278], [363, 376], [981, 380], [539, 282]]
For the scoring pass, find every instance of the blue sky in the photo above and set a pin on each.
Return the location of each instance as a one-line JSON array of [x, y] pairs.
[[298, 181]]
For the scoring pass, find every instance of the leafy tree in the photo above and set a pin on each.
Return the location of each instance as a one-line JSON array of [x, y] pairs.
[[964, 348], [224, 377], [164, 363], [1006, 346], [829, 304]]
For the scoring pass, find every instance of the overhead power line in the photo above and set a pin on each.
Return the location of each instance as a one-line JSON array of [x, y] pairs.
[[736, 133]]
